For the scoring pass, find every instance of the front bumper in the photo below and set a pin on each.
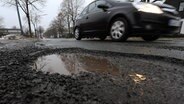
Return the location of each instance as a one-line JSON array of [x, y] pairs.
[[149, 23]]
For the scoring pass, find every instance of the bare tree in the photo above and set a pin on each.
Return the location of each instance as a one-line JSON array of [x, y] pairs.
[[26, 6], [51, 32], [57, 26], [59, 23], [71, 9], [40, 31], [35, 20], [65, 10], [65, 19], [1, 22], [75, 7]]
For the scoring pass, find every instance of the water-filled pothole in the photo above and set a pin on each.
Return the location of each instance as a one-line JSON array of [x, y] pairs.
[[74, 63]]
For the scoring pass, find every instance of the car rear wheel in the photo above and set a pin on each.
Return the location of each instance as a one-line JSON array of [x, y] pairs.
[[150, 38], [77, 34], [119, 29]]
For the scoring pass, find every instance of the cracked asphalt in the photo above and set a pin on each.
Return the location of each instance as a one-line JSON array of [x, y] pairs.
[[148, 72]]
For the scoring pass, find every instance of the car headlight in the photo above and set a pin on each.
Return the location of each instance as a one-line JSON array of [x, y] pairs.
[[148, 8]]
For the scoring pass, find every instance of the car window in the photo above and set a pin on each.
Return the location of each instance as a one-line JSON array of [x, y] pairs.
[[94, 6], [84, 12]]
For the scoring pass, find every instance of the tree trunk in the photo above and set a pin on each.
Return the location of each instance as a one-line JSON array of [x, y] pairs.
[[68, 16], [28, 18], [73, 23], [36, 35], [29, 25], [18, 13], [68, 20]]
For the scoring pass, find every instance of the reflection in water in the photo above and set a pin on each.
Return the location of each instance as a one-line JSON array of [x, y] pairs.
[[51, 64], [137, 78], [75, 63]]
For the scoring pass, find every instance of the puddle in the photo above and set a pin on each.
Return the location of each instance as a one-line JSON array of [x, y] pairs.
[[75, 63]]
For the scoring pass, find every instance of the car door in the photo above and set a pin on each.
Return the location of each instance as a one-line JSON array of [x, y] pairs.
[[87, 24], [97, 18], [82, 19]]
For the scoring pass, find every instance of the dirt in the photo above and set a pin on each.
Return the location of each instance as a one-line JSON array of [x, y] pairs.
[[143, 79]]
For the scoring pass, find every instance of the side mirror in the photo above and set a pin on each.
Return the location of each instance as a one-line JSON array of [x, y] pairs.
[[103, 6]]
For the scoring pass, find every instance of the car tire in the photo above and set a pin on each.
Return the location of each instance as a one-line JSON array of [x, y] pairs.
[[77, 34], [119, 30], [150, 38], [103, 37]]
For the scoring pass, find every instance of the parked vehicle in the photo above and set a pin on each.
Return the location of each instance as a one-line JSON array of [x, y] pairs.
[[121, 19]]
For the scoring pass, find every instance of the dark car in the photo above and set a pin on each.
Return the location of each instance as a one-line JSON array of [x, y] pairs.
[[121, 19]]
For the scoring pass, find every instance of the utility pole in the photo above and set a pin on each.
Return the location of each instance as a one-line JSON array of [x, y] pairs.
[[18, 13]]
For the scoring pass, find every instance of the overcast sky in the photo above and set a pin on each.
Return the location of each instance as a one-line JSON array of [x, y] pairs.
[[50, 11]]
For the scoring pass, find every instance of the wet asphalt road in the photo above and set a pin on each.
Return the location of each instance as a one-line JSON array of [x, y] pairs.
[[165, 47]]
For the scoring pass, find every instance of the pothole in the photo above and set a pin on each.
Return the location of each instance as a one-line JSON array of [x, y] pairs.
[[74, 63]]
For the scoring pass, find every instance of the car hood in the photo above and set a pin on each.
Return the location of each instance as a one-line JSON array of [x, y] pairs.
[[168, 8], [165, 7], [158, 4]]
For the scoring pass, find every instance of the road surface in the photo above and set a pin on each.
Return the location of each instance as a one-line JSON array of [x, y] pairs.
[[166, 47], [132, 72]]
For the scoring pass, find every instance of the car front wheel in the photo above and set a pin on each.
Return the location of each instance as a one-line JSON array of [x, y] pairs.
[[119, 30], [77, 34], [150, 38]]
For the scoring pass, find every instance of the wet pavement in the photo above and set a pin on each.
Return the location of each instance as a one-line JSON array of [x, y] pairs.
[[167, 47], [16, 44]]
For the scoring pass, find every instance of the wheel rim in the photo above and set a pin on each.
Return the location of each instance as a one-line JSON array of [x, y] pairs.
[[117, 29], [77, 33]]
